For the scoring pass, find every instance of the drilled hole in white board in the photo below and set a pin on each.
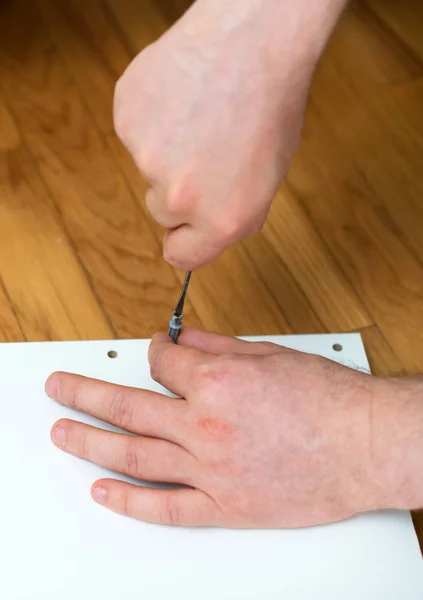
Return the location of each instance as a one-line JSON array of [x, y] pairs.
[[337, 347], [112, 354]]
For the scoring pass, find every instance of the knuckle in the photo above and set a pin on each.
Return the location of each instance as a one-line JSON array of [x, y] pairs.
[[82, 443], [121, 410], [123, 128], [147, 160], [228, 229], [119, 114], [120, 124], [175, 203], [73, 398], [126, 504], [181, 198], [170, 512], [202, 376], [176, 257], [131, 458], [159, 363], [117, 92], [212, 374]]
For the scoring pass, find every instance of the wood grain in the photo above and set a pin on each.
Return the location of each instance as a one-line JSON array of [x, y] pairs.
[[365, 54], [404, 18], [122, 257], [382, 358], [140, 25], [10, 330], [85, 35], [283, 285], [48, 288], [294, 239], [9, 135]]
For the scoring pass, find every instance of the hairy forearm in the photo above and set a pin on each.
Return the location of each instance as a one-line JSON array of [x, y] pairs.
[[300, 28]]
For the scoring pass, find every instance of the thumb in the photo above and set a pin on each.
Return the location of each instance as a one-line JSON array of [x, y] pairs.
[[189, 248]]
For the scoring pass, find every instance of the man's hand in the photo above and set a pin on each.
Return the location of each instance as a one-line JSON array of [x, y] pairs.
[[212, 112], [262, 436]]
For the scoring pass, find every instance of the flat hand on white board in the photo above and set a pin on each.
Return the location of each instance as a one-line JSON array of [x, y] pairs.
[[262, 436]]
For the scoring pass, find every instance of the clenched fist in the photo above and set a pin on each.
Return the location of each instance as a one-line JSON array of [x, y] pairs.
[[212, 112]]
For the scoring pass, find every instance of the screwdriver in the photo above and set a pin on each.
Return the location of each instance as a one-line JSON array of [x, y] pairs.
[[175, 323]]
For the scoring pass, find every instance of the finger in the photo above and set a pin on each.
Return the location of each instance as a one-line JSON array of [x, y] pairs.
[[185, 507], [214, 343], [138, 411], [138, 457], [155, 201], [188, 248], [171, 365]]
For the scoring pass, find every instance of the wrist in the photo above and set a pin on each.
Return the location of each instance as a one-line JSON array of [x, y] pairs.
[[398, 444], [299, 30]]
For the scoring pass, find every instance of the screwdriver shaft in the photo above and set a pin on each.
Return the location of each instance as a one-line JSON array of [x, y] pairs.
[[175, 324]]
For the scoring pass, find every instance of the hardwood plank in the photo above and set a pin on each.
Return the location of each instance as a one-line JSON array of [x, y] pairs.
[[230, 297], [50, 293], [90, 34], [385, 273], [137, 288], [404, 18], [172, 9], [92, 48], [382, 359], [238, 306], [294, 240], [9, 135], [10, 330], [391, 132], [140, 24], [384, 120], [283, 285], [362, 50]]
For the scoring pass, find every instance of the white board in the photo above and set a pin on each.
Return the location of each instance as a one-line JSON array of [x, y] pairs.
[[56, 543]]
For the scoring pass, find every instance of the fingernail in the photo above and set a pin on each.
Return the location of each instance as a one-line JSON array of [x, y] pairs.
[[53, 387], [100, 494], [59, 436]]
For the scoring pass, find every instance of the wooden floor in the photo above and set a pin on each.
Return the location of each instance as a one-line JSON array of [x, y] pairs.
[[342, 250]]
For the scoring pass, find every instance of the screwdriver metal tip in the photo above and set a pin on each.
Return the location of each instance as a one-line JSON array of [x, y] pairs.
[[175, 324]]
